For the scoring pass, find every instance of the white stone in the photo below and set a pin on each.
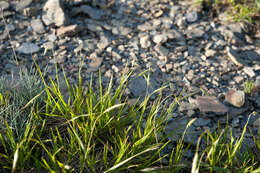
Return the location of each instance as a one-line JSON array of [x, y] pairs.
[[145, 42], [53, 13]]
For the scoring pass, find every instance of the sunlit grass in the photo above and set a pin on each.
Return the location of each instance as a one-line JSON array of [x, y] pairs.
[[96, 130]]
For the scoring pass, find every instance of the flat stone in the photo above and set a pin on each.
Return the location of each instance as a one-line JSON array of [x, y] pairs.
[[145, 41], [175, 129], [28, 48], [138, 86], [192, 16], [68, 30], [210, 104], [234, 56], [22, 5], [251, 55], [4, 5], [37, 26], [104, 42], [95, 62], [53, 13], [236, 98], [201, 122], [93, 13]]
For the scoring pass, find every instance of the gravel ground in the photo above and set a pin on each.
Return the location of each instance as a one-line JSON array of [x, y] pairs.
[[182, 46]]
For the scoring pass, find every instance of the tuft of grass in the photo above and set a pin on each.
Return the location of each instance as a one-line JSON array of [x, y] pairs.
[[244, 10], [16, 95], [223, 153], [248, 86], [95, 130]]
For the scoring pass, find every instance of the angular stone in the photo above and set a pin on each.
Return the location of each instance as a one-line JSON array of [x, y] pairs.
[[234, 56], [145, 42], [69, 30], [236, 98], [53, 13], [104, 42], [210, 104], [95, 63], [249, 71], [28, 48], [37, 26]]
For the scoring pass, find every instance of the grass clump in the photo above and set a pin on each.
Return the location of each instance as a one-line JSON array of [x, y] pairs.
[[96, 130], [238, 10]]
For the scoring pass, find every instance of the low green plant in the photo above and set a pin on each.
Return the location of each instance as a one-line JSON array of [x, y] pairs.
[[248, 86], [96, 130], [223, 153], [244, 10], [16, 95]]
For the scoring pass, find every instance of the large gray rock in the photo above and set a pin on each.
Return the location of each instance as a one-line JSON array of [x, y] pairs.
[[28, 48], [175, 129], [138, 86], [53, 13], [210, 104]]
